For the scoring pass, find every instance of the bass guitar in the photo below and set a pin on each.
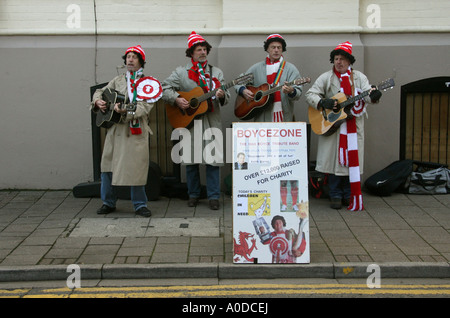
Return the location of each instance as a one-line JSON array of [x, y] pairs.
[[110, 116], [326, 121], [244, 109], [198, 103]]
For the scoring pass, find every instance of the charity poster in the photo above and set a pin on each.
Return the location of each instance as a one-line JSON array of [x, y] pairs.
[[270, 193]]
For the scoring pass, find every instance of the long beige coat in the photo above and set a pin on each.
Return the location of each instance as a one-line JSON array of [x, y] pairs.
[[126, 155], [327, 85], [210, 121]]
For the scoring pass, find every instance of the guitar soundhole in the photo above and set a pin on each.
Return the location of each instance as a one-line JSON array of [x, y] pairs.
[[193, 103], [258, 96]]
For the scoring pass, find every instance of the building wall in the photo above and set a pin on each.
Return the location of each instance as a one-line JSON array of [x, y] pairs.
[[219, 16], [53, 51]]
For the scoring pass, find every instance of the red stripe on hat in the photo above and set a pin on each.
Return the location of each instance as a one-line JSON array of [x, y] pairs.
[[138, 49], [346, 46], [195, 38], [275, 35]]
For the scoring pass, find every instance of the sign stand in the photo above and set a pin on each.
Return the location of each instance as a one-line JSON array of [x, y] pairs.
[[270, 193]]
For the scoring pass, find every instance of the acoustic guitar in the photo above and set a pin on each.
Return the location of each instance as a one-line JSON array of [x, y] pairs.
[[198, 103], [244, 109], [110, 116], [326, 121]]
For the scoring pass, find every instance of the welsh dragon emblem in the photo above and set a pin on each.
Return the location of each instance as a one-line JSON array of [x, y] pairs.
[[242, 249]]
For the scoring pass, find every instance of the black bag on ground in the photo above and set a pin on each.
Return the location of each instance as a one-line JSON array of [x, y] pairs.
[[391, 178], [318, 184]]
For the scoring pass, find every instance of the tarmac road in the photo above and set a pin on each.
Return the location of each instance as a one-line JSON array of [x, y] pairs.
[[260, 289]]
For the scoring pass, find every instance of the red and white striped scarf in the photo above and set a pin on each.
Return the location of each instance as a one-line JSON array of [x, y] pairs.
[[199, 74], [272, 71], [348, 148]]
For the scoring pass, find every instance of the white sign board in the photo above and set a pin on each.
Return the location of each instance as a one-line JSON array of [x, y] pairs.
[[270, 193]]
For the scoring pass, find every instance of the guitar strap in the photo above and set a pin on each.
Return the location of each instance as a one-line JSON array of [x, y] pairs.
[[210, 103], [352, 83], [280, 72]]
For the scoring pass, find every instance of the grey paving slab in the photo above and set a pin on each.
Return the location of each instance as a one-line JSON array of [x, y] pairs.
[[110, 227], [167, 257], [188, 226], [42, 232]]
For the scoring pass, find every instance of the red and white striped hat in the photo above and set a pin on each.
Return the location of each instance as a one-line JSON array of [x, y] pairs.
[[194, 38], [275, 35], [136, 49], [346, 46]]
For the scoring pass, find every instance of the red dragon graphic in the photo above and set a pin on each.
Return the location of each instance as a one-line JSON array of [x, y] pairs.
[[242, 249]]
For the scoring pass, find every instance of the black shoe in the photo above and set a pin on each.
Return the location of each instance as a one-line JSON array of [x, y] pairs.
[[336, 203], [106, 209], [214, 204], [192, 202], [144, 212]]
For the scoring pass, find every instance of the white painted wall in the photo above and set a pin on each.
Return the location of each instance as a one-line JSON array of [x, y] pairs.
[[47, 64], [219, 16]]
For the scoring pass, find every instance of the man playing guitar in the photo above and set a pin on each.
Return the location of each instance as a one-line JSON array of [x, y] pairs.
[[274, 70], [199, 73], [340, 155], [125, 156]]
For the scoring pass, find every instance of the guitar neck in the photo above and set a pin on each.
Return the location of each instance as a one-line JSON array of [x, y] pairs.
[[276, 88], [213, 92], [354, 99], [389, 83]]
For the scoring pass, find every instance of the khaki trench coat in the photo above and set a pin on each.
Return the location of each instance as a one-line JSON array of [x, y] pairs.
[[326, 86], [210, 122], [126, 155]]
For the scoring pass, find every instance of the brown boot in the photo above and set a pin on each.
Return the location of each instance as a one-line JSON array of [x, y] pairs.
[[214, 204], [336, 203], [192, 202]]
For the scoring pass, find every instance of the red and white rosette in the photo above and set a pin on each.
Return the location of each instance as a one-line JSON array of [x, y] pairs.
[[360, 106], [149, 89]]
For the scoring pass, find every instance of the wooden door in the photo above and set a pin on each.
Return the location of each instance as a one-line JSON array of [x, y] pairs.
[[425, 113]]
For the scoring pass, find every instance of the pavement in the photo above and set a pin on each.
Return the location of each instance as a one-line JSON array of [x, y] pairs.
[[43, 234]]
